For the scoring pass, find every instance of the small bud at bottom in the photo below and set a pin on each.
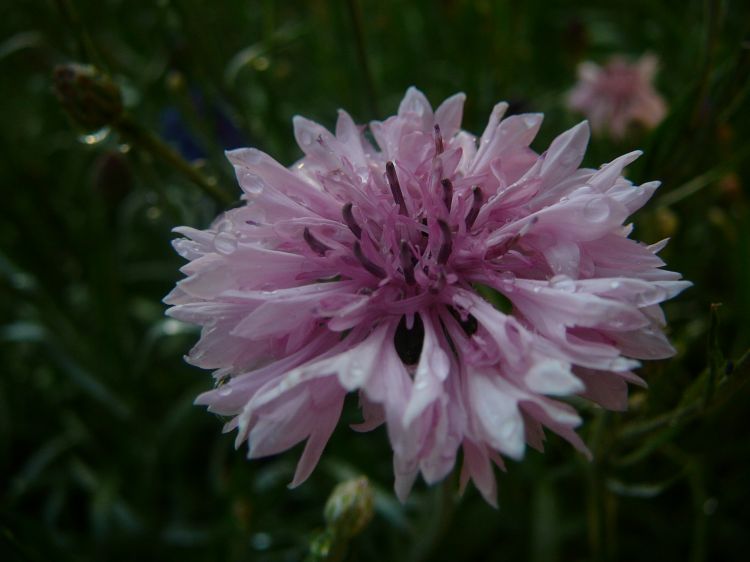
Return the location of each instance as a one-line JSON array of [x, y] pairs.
[[349, 507]]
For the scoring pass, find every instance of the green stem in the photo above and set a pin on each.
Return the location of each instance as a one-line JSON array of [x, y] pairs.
[[144, 138], [596, 493], [86, 50], [355, 13], [439, 520]]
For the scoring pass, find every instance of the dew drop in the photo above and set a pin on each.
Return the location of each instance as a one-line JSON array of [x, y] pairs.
[[306, 138], [596, 210], [562, 283], [354, 375], [508, 279], [620, 364], [508, 429], [650, 296], [537, 289], [615, 285], [225, 243], [95, 137], [584, 190], [224, 226], [252, 184], [225, 390]]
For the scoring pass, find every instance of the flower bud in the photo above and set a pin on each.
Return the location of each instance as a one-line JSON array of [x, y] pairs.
[[89, 96], [350, 507]]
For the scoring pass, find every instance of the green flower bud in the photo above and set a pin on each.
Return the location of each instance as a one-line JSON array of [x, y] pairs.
[[350, 507]]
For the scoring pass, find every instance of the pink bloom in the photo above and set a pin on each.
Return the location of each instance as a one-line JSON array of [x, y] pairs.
[[363, 270], [618, 94]]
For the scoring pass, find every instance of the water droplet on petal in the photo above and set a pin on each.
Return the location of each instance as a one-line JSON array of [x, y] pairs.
[[224, 225], [509, 429], [508, 279], [251, 183], [615, 285], [225, 243], [225, 390], [650, 296], [537, 289], [563, 283], [618, 364], [353, 377], [596, 210]]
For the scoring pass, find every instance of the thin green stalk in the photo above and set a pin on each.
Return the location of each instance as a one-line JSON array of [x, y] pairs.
[[86, 49], [144, 138], [355, 13], [426, 548], [595, 512], [711, 30]]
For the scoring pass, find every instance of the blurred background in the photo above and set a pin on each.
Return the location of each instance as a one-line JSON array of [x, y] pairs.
[[102, 454]]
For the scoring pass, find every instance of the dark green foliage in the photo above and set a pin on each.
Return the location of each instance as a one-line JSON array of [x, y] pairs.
[[103, 456]]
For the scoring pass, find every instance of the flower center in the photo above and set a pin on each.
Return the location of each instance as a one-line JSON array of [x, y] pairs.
[[414, 248]]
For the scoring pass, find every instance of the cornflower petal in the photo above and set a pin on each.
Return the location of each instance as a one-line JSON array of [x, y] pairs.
[[459, 285]]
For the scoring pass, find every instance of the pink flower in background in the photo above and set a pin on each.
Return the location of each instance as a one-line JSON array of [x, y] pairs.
[[376, 271], [618, 94]]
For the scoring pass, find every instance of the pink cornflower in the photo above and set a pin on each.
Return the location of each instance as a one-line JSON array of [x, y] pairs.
[[618, 94], [368, 270]]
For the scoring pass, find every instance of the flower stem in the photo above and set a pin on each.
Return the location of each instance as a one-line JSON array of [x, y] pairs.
[[86, 49], [355, 13], [144, 138], [595, 500], [441, 511]]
